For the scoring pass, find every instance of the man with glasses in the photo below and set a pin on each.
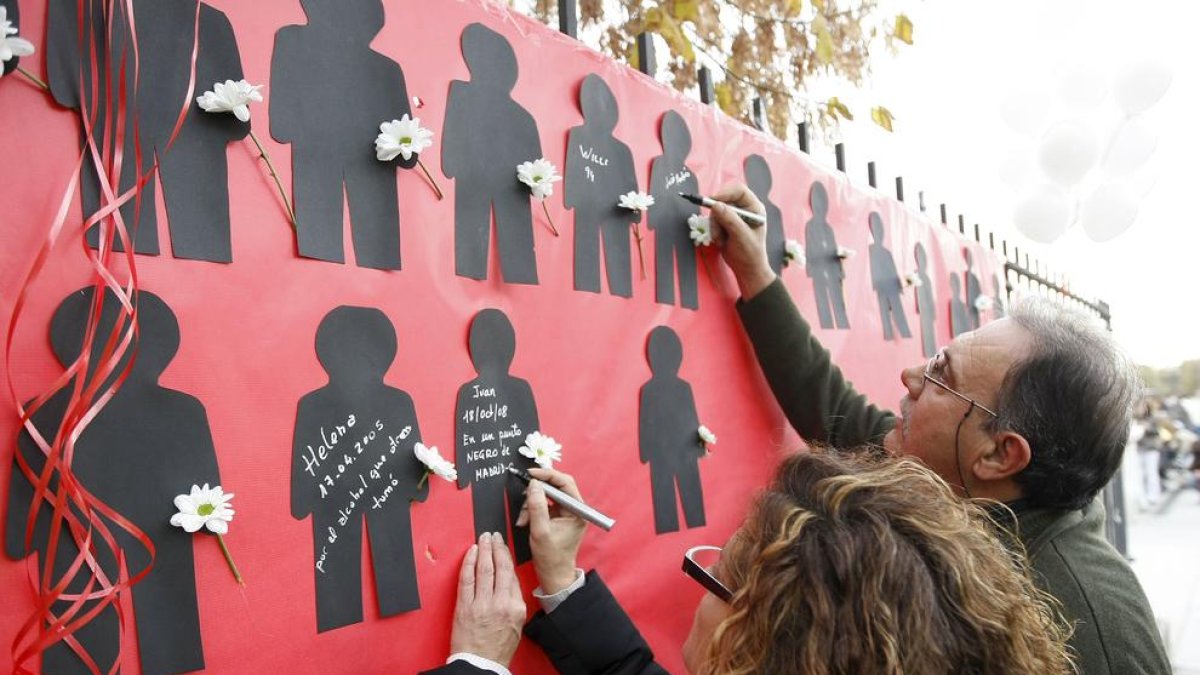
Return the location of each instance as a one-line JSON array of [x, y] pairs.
[[1032, 410]]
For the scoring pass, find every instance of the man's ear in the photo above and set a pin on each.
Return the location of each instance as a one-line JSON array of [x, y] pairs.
[[1009, 457]]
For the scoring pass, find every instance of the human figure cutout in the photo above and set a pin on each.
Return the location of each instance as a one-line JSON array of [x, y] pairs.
[[486, 135], [493, 415], [599, 170], [998, 308], [673, 247], [668, 435], [194, 169], [13, 15], [960, 318], [823, 265], [886, 282], [147, 445], [332, 160], [926, 305], [758, 177], [974, 290], [357, 415]]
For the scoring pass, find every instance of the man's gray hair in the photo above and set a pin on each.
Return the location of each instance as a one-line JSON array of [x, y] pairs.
[[1072, 398]]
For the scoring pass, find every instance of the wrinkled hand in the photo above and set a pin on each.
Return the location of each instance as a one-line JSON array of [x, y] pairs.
[[744, 248], [490, 612], [554, 534]]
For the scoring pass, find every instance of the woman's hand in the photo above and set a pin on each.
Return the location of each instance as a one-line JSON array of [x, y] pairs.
[[554, 534], [743, 247]]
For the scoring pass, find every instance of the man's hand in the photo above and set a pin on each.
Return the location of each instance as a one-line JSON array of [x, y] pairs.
[[743, 247], [490, 612], [554, 535]]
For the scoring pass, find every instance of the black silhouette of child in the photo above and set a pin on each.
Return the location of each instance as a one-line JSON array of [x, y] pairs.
[[758, 177], [147, 445], [668, 436], [599, 170], [493, 415], [823, 265], [352, 456], [329, 93], [673, 247], [487, 134], [926, 305], [974, 290], [960, 318], [886, 282]]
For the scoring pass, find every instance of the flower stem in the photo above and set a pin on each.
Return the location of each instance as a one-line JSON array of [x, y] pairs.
[[229, 559], [637, 236], [424, 479], [262, 152], [436, 190], [33, 78], [707, 265], [549, 220]]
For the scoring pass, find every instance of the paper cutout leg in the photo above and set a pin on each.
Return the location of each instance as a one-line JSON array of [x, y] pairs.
[[514, 234], [668, 434], [339, 579], [374, 214], [165, 603], [960, 318], [318, 201], [587, 252], [617, 260], [389, 531], [195, 179]]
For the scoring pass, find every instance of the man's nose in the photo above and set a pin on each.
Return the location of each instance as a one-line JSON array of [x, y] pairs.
[[913, 380]]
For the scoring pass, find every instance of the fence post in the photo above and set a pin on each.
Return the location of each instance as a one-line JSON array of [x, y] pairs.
[[921, 200], [568, 17], [871, 174], [759, 114], [839, 153], [645, 48], [899, 188], [802, 136], [706, 86], [945, 220]]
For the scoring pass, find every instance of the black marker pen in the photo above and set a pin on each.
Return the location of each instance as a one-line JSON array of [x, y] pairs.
[[569, 503], [752, 219]]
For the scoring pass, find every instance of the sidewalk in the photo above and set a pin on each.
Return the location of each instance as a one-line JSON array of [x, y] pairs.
[[1165, 548]]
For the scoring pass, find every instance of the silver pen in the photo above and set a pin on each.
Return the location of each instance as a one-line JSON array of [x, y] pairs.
[[568, 503], [752, 219]]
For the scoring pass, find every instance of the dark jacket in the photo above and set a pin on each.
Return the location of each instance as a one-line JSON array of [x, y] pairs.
[[1114, 628]]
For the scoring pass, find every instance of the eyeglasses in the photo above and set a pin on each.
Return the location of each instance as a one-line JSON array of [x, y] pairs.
[[934, 371], [694, 567]]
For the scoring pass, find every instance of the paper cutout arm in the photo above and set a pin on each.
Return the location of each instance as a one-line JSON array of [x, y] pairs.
[[397, 93], [574, 177], [655, 179], [460, 448], [647, 423], [302, 493], [286, 94], [627, 174], [63, 60], [220, 51], [693, 418], [20, 497], [409, 412], [452, 136]]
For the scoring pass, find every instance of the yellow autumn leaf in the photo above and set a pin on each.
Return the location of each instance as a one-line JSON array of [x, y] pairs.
[[824, 49], [672, 33], [819, 4], [687, 10], [724, 93], [793, 7], [836, 108], [882, 116], [653, 20], [904, 29], [635, 57]]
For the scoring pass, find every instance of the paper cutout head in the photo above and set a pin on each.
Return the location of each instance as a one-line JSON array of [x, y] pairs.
[[664, 351], [357, 20], [758, 174], [818, 199], [876, 225], [598, 104], [489, 57], [356, 342], [676, 139], [922, 257], [155, 344], [492, 341]]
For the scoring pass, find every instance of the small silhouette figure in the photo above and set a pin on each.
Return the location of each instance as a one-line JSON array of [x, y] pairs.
[[999, 295], [487, 134], [758, 177], [974, 290], [668, 435], [194, 169], [599, 170], [147, 445], [886, 282], [823, 265], [332, 160], [960, 318], [673, 247], [493, 415], [926, 304], [358, 417]]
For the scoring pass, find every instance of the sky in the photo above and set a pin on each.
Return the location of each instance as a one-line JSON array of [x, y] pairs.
[[969, 58]]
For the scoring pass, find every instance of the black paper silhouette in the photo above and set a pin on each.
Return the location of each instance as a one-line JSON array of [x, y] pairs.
[[599, 170], [758, 177], [998, 298], [493, 415], [886, 282], [673, 247], [668, 435], [486, 135], [147, 445], [974, 290], [13, 14], [960, 318], [329, 93], [194, 170], [926, 305], [822, 263], [352, 457]]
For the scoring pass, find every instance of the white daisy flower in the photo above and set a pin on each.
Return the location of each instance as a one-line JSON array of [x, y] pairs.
[[913, 279], [230, 96], [636, 201], [707, 437], [404, 137], [434, 462], [793, 253], [845, 253], [700, 230], [984, 303], [10, 44], [204, 507], [541, 449], [540, 175]]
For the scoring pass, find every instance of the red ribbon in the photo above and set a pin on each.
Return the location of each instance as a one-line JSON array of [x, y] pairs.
[[91, 386]]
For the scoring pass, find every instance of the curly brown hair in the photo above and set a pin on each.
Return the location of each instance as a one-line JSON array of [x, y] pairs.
[[856, 565]]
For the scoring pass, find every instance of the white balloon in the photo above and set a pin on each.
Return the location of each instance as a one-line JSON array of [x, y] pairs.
[[1131, 146], [1044, 214], [1108, 211], [1083, 89], [1017, 168], [1141, 85], [1067, 152], [1025, 112]]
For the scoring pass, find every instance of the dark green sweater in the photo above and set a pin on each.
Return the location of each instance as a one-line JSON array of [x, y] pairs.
[[1114, 628]]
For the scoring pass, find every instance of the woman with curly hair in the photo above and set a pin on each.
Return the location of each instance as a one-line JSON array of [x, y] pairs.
[[846, 565]]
